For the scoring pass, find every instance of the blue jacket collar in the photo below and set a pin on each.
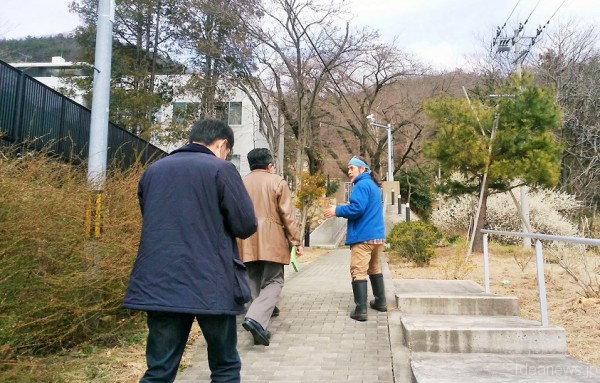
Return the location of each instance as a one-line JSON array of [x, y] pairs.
[[361, 176], [193, 148]]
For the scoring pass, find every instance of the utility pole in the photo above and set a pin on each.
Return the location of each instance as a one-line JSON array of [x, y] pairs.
[[101, 95], [524, 190], [98, 146], [390, 173], [503, 45]]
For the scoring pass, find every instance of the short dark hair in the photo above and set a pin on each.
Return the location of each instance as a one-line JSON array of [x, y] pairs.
[[208, 131], [259, 158]]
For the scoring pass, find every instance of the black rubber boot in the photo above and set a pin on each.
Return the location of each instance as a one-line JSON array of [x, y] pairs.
[[359, 289], [378, 286]]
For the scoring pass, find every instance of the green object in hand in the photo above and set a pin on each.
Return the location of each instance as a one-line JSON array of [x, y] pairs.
[[294, 259]]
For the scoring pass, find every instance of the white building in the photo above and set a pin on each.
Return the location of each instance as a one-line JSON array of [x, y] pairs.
[[48, 73], [238, 111]]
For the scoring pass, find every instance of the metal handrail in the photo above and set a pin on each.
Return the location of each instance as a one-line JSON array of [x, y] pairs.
[[538, 259]]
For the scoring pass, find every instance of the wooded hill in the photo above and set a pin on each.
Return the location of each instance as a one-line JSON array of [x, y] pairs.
[[39, 49]]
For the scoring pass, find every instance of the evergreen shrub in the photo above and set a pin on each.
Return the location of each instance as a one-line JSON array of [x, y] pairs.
[[415, 241]]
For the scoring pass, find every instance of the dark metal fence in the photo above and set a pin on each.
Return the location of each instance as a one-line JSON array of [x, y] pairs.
[[37, 117]]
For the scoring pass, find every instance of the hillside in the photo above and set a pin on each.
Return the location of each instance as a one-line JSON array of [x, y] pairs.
[[39, 49]]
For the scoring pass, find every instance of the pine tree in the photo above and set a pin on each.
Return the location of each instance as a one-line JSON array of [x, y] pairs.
[[496, 141]]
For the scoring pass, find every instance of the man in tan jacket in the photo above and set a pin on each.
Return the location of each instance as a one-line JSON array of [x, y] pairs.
[[268, 250]]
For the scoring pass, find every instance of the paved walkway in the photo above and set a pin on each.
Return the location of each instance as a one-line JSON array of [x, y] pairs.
[[314, 339]]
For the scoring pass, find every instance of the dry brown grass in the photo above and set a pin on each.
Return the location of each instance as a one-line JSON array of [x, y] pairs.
[[60, 289], [93, 364], [567, 308]]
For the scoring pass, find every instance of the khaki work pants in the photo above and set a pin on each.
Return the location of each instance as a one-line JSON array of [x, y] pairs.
[[364, 259]]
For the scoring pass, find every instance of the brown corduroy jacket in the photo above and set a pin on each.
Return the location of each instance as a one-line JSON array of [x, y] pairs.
[[277, 226]]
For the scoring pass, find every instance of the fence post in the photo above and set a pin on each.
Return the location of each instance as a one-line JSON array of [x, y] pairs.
[[18, 116], [486, 264], [539, 259], [61, 136]]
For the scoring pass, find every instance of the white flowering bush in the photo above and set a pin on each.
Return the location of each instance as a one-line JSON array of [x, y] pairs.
[[549, 213], [453, 215]]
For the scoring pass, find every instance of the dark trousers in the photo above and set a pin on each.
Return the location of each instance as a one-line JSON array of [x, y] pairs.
[[266, 283], [167, 337]]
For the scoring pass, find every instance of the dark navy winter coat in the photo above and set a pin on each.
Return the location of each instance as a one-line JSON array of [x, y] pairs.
[[193, 206]]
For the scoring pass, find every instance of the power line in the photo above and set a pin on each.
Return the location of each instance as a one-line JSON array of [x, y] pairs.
[[560, 6], [521, 26], [539, 32], [508, 18], [504, 41], [541, 29], [497, 39]]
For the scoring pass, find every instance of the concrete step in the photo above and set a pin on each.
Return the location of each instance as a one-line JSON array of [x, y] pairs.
[[481, 334], [455, 297], [500, 368]]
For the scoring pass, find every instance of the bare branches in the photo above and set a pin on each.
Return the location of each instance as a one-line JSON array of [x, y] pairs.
[[571, 63]]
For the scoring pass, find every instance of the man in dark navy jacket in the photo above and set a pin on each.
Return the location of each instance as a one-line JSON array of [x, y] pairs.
[[194, 204]]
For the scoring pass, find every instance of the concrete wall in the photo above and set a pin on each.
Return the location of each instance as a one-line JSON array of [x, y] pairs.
[[387, 188], [329, 233]]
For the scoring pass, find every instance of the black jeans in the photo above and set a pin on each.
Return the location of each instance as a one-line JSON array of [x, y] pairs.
[[168, 334]]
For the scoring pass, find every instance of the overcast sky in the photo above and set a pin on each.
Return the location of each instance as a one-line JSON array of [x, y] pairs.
[[442, 33]]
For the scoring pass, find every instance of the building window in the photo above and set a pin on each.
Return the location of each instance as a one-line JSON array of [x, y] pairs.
[[185, 112], [230, 112], [235, 159]]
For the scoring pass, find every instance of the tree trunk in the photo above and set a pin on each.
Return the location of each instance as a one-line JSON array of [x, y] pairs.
[[478, 243], [307, 235]]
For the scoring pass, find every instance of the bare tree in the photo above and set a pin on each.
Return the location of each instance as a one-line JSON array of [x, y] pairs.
[[298, 44], [261, 90], [369, 83], [570, 61]]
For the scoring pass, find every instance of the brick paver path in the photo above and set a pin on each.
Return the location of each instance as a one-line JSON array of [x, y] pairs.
[[314, 339]]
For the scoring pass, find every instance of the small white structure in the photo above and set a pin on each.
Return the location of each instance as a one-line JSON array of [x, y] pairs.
[[53, 74]]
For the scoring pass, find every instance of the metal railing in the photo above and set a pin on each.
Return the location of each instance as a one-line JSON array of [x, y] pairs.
[[37, 117], [539, 259]]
